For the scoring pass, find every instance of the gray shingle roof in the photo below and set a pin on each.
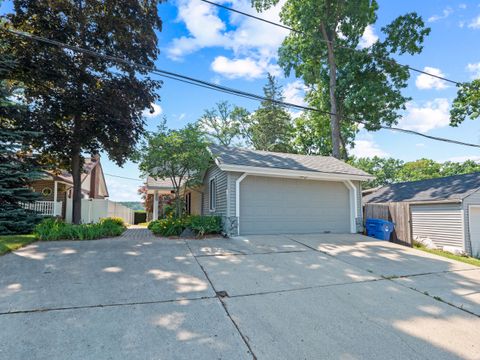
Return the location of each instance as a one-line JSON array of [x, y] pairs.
[[274, 160], [455, 187]]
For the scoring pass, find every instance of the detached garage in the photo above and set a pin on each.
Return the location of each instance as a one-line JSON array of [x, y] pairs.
[[444, 211], [260, 192]]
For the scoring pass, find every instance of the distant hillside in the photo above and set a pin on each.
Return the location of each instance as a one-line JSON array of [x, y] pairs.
[[134, 205]]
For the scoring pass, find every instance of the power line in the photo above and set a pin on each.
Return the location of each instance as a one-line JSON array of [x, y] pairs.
[[123, 177], [212, 86], [327, 41]]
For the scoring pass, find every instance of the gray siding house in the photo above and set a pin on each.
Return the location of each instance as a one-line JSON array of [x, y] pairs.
[[260, 192], [444, 210]]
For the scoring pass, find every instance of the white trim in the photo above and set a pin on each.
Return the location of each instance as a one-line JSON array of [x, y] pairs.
[[55, 197], [352, 189], [210, 193], [237, 200], [262, 171], [155, 205]]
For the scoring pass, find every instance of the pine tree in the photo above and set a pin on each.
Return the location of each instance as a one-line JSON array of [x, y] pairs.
[[16, 171], [270, 126]]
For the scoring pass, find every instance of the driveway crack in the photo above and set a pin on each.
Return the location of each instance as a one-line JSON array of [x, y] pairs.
[[224, 305]]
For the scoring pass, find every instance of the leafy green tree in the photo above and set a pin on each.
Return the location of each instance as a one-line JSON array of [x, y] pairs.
[[270, 126], [356, 86], [222, 124], [312, 130], [17, 168], [385, 170], [449, 168], [467, 103], [80, 103], [178, 155], [421, 169]]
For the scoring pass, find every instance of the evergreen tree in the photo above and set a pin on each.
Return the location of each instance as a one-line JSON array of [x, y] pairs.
[[16, 171], [270, 126]]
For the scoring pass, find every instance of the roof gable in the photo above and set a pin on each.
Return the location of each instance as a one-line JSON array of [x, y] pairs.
[[273, 160], [449, 188]]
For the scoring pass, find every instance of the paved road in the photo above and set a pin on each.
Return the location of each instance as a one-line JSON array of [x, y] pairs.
[[265, 297]]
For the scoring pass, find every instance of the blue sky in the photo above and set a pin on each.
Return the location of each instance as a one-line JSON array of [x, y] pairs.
[[203, 42]]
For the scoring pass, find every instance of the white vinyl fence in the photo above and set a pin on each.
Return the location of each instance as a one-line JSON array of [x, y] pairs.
[[48, 208], [95, 209]]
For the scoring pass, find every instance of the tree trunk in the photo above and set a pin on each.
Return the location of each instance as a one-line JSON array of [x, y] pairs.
[[334, 117], [77, 185]]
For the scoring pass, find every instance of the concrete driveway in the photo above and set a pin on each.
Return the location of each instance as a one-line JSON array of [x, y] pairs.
[[266, 297]]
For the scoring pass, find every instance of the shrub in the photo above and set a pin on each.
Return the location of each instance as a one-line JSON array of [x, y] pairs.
[[167, 227], [152, 224], [203, 225], [54, 229], [113, 220]]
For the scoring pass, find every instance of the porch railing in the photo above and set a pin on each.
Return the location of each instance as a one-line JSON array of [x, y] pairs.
[[48, 208]]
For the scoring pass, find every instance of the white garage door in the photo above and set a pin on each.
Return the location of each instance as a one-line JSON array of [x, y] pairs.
[[474, 227], [276, 206]]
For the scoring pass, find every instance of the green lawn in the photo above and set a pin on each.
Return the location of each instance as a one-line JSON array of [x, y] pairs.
[[465, 259], [12, 242]]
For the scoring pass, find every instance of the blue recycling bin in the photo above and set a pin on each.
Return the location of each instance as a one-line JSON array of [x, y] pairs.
[[379, 229]]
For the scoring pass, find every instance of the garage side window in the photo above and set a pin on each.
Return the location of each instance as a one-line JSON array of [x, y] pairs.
[[212, 190]]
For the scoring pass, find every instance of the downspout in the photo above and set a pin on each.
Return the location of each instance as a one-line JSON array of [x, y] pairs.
[[237, 200]]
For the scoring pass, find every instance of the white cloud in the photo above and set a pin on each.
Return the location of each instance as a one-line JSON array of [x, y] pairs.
[[462, 6], [474, 69], [420, 145], [249, 39], [294, 93], [157, 110], [445, 13], [425, 81], [475, 23], [367, 148], [432, 115], [368, 38], [248, 68]]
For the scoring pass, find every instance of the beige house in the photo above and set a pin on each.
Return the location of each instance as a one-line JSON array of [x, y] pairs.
[[56, 188]]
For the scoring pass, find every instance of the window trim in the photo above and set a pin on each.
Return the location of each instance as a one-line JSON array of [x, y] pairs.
[[212, 195]]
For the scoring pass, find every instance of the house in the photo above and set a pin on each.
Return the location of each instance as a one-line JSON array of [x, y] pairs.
[[261, 192], [56, 189], [444, 210]]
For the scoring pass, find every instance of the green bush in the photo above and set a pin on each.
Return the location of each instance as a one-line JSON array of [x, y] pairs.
[[54, 229], [113, 220], [203, 225], [167, 227]]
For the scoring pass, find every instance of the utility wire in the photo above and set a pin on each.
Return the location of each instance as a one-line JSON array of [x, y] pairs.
[[123, 177], [327, 41], [212, 86]]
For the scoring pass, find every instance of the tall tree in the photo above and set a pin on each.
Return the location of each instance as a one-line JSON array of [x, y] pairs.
[[467, 103], [81, 103], [222, 123], [17, 167], [178, 155], [270, 126], [357, 86], [385, 170]]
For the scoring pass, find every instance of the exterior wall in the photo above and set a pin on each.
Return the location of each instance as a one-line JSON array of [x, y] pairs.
[[441, 223], [221, 178], [39, 185], [473, 199]]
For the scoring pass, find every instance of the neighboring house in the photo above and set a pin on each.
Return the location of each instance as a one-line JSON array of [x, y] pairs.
[[260, 192], [56, 189], [444, 210]]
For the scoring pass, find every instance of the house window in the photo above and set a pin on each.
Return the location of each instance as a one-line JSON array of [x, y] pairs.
[[212, 190], [188, 203]]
